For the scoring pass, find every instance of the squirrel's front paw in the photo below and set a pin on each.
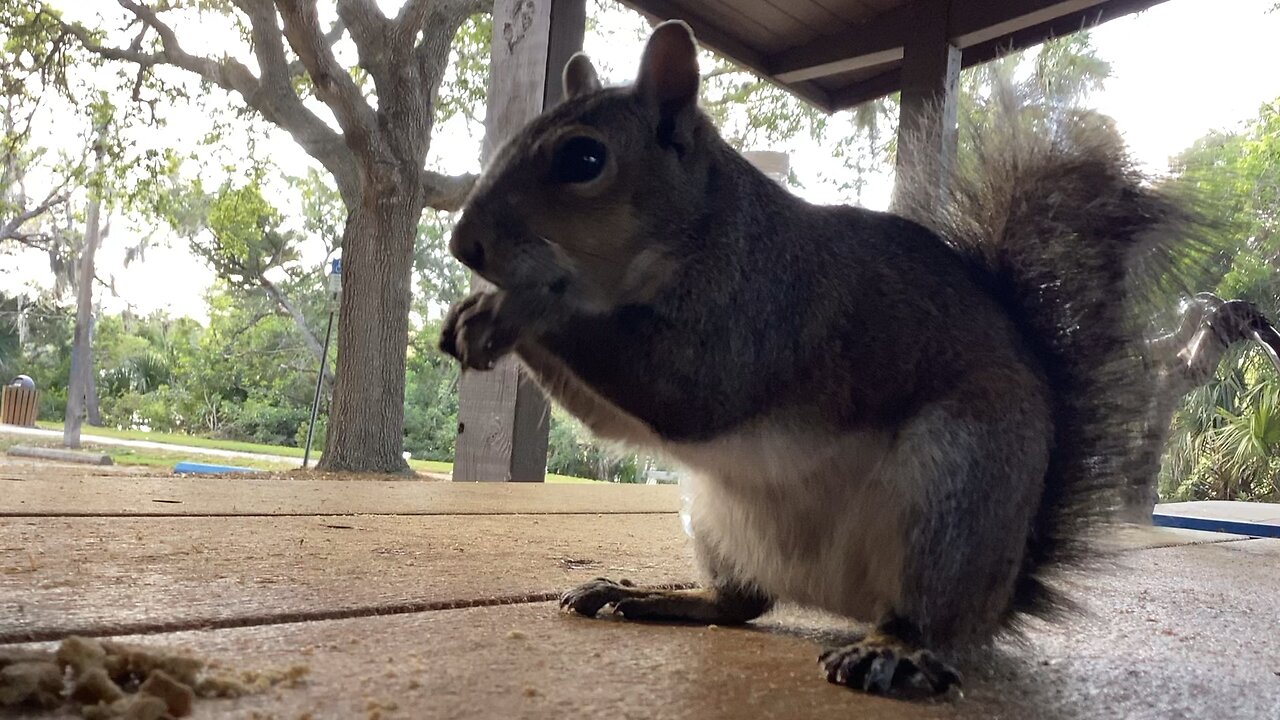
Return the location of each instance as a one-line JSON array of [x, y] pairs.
[[475, 333]]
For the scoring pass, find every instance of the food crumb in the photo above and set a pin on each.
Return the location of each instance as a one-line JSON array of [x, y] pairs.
[[81, 654], [531, 691], [178, 697], [94, 686], [515, 635], [414, 684], [376, 707], [33, 684], [107, 680], [131, 707]]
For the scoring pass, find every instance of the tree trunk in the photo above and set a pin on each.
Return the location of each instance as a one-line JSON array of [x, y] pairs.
[[92, 411], [82, 347], [366, 418]]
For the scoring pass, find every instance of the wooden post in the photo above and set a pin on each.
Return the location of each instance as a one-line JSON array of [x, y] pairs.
[[927, 120], [503, 419]]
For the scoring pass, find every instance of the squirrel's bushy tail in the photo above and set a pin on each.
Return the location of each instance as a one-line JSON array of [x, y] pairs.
[[1078, 247]]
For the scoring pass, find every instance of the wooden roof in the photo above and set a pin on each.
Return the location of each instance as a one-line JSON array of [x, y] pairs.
[[839, 53]]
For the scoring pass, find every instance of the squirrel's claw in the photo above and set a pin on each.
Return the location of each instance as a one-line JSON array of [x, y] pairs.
[[884, 666], [474, 332], [588, 598]]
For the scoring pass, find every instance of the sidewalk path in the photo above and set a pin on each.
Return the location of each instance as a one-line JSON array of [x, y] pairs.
[[150, 445]]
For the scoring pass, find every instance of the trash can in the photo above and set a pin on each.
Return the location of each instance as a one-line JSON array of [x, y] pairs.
[[20, 402]]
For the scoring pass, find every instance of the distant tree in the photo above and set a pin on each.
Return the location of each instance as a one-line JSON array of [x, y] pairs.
[[242, 237], [82, 392], [33, 64], [383, 102]]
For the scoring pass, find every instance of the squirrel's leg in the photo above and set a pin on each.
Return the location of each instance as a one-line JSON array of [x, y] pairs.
[[972, 467], [725, 604]]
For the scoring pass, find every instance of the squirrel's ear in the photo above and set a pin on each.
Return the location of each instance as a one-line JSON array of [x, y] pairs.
[[579, 76], [669, 67]]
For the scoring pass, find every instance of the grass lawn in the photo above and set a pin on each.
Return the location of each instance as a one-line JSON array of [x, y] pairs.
[[142, 456]]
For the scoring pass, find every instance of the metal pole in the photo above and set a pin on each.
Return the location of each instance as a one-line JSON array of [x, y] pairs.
[[335, 289], [315, 403]]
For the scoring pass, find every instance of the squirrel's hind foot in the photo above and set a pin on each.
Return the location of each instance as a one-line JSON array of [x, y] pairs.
[[881, 664]]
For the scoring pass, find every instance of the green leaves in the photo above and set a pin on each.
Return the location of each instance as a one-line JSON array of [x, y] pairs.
[[240, 235], [1225, 440]]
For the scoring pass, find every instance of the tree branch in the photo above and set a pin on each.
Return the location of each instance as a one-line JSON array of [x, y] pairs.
[[331, 38], [446, 192], [299, 321], [440, 22], [277, 103], [333, 84], [11, 229]]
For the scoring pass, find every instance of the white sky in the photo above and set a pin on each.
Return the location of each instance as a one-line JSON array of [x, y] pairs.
[[1180, 70]]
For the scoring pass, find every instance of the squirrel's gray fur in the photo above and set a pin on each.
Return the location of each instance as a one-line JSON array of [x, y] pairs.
[[905, 422], [1076, 245]]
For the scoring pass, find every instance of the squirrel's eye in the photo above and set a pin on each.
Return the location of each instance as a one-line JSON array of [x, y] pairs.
[[579, 159]]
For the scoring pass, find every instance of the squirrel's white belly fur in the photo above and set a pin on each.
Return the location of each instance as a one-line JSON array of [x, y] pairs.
[[823, 519], [808, 519]]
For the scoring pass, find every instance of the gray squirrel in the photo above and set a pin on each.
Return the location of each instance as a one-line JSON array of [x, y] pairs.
[[910, 423]]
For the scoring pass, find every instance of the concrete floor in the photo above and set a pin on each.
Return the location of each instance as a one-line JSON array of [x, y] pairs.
[[442, 612]]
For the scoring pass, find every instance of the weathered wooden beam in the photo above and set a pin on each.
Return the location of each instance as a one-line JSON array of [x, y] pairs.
[[60, 455], [877, 86], [881, 40], [927, 119], [503, 419], [976, 53]]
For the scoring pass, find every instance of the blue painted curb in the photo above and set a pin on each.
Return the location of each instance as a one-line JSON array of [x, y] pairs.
[[195, 467], [1235, 527]]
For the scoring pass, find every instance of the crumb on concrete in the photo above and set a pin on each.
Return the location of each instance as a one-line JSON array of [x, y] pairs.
[[130, 707], [94, 686], [178, 697], [31, 684], [81, 654], [107, 680], [515, 635]]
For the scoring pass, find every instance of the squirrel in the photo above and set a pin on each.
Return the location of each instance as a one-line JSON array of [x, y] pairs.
[[907, 422]]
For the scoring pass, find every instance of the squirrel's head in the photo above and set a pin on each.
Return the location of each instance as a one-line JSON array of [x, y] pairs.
[[593, 193]]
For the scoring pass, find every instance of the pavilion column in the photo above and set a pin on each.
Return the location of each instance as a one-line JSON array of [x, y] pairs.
[[503, 419], [927, 124]]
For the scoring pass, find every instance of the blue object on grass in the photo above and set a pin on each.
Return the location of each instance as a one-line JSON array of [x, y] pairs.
[[1234, 527], [195, 467]]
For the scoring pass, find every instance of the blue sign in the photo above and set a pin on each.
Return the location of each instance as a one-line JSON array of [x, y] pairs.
[[336, 263]]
